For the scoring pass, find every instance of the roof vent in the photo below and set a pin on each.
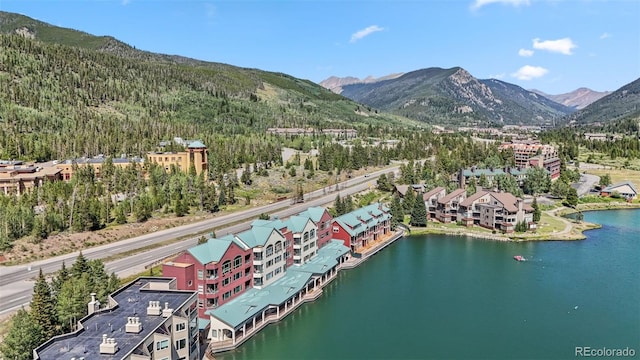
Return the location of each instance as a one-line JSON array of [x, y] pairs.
[[154, 308], [166, 312], [133, 325], [108, 345]]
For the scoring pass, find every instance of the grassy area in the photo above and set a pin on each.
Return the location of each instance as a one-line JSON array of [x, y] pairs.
[[618, 175], [549, 224], [595, 157]]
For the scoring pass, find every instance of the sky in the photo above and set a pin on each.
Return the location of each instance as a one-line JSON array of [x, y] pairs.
[[555, 46]]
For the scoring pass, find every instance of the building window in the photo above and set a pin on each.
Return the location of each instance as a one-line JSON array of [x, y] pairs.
[[312, 233], [278, 259], [278, 246], [226, 281], [190, 283], [181, 326], [226, 267], [237, 275], [269, 263], [200, 275], [181, 344], [336, 229], [237, 262], [237, 289], [305, 237], [162, 344], [247, 258], [269, 250], [226, 295]]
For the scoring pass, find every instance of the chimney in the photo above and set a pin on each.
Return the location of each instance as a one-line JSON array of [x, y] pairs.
[[108, 345], [93, 305], [154, 308], [133, 325], [166, 312]]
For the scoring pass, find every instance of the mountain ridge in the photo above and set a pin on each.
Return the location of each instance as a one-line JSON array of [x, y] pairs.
[[435, 94], [578, 98]]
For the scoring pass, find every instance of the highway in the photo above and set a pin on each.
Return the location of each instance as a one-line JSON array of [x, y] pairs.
[[16, 282]]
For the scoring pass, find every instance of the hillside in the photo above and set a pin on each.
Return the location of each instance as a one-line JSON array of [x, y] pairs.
[[621, 104], [578, 99], [453, 96], [66, 93]]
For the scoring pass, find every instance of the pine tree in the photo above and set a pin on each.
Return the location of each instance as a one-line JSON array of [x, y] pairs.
[[23, 336], [338, 205], [419, 212], [408, 200], [397, 212], [42, 306], [80, 266], [537, 214]]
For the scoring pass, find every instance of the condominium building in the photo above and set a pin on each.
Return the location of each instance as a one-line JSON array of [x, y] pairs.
[[431, 198], [447, 206], [148, 319], [323, 219], [495, 210], [360, 227]]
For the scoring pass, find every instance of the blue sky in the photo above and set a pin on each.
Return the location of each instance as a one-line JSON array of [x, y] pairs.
[[551, 45]]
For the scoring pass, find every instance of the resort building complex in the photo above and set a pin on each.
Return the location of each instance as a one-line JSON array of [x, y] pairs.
[[495, 210], [148, 319], [17, 177], [247, 280]]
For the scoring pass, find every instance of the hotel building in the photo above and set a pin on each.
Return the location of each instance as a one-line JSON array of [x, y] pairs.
[[17, 177], [363, 226]]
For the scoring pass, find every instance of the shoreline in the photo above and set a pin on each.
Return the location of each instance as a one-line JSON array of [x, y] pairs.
[[573, 230]]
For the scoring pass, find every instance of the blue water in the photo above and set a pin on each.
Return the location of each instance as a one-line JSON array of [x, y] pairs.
[[443, 297]]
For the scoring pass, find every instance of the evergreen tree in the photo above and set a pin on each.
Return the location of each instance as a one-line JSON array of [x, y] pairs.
[[80, 266], [537, 214], [339, 206], [23, 336], [42, 306], [59, 280], [419, 212], [605, 180], [348, 204], [383, 183], [408, 200], [572, 197], [397, 212], [483, 181]]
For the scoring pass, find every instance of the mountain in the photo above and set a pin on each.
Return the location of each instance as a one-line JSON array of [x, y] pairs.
[[113, 99], [621, 104], [577, 99], [453, 96], [335, 83]]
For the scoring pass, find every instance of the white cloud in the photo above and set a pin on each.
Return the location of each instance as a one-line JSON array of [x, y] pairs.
[[605, 36], [562, 46], [477, 4], [365, 32], [529, 72], [525, 52]]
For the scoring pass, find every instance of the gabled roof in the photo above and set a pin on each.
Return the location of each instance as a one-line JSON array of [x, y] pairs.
[[432, 192], [315, 213], [257, 235], [371, 214], [451, 196], [211, 251], [468, 201], [612, 188], [402, 189], [297, 223], [507, 199]]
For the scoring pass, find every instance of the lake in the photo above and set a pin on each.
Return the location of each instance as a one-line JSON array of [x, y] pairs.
[[437, 297]]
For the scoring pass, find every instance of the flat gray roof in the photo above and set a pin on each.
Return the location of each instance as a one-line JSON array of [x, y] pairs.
[[132, 300]]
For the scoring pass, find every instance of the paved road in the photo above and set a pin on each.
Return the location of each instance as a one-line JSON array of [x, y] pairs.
[[16, 283], [586, 183]]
